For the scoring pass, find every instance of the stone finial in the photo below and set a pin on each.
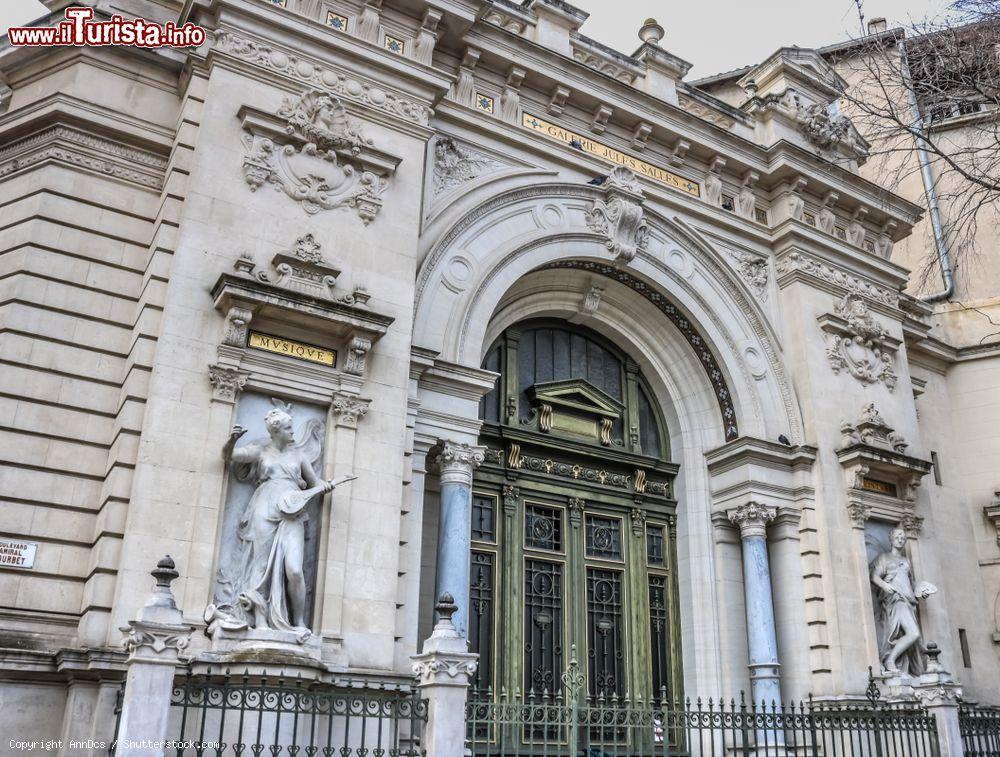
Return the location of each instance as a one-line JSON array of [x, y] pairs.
[[933, 653], [446, 607], [651, 32], [159, 631]]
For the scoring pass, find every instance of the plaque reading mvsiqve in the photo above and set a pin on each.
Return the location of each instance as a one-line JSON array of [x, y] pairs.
[[17, 554], [309, 352]]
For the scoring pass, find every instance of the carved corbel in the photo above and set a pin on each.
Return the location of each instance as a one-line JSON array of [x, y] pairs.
[[237, 326], [884, 242], [427, 36], [576, 511], [510, 98], [357, 355], [826, 219], [557, 101], [641, 135], [856, 230], [992, 512], [464, 89], [510, 496], [713, 181], [679, 151], [226, 382], [638, 518], [746, 200], [371, 17], [796, 204], [347, 409], [599, 121], [620, 218]]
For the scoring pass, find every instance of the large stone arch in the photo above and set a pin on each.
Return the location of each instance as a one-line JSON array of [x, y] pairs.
[[465, 274], [528, 252]]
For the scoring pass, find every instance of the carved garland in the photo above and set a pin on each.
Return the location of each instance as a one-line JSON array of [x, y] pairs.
[[683, 324], [342, 84]]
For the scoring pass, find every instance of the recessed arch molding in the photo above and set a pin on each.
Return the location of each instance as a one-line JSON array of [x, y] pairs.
[[698, 343]]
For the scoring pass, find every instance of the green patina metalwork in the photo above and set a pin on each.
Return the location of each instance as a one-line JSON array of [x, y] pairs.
[[574, 530]]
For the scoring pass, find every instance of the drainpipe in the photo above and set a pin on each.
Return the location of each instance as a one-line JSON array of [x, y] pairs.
[[947, 275]]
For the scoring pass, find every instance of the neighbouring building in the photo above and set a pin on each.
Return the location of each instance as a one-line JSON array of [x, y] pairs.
[[597, 343]]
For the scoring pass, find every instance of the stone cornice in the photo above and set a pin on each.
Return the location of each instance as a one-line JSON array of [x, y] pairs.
[[288, 45], [820, 273], [747, 449], [73, 146]]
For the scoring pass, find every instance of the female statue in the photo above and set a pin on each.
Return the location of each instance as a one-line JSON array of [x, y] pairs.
[[892, 574], [268, 584]]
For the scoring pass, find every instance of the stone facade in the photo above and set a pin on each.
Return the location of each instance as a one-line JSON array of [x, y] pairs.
[[346, 219]]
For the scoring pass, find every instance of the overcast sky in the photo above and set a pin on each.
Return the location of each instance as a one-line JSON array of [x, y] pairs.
[[714, 35], [719, 35]]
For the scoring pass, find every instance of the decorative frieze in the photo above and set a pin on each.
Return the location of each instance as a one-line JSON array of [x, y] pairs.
[[77, 148], [858, 343], [620, 218], [340, 83], [797, 262]]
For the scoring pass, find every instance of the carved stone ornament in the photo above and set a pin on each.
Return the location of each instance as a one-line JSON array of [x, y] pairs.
[[619, 218], [752, 519], [237, 324], [752, 269], [992, 513], [348, 409], [158, 633], [859, 513], [456, 164], [871, 429], [796, 262], [445, 659], [227, 382], [357, 355], [348, 86], [319, 161], [456, 462], [821, 127], [857, 343]]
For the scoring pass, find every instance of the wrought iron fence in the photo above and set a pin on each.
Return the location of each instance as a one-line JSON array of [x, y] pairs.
[[980, 728], [225, 714], [572, 724]]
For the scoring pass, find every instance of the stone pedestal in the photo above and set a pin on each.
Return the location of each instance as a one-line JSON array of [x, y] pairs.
[[444, 670], [456, 463], [939, 692], [154, 641]]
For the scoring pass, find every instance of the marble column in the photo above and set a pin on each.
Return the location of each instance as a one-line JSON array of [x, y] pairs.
[[765, 682], [456, 462]]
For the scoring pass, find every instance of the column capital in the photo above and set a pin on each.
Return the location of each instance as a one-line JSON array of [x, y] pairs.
[[752, 519], [456, 462], [347, 409]]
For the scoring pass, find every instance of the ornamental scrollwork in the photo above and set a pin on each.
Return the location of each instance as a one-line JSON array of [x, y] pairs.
[[858, 343], [619, 218], [320, 159], [137, 638]]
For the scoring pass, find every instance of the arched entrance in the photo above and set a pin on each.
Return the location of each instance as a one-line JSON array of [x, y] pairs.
[[573, 521]]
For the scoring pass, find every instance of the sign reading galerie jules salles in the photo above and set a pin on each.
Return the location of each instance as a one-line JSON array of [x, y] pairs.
[[299, 350], [601, 150], [17, 554]]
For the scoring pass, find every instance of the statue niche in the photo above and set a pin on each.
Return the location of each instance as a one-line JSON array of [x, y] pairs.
[[901, 646], [262, 579]]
